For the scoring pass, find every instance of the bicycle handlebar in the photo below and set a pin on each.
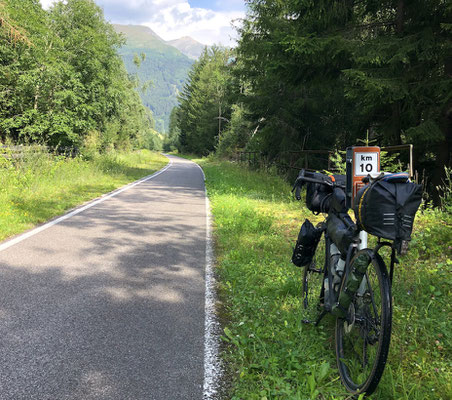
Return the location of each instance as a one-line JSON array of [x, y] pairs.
[[301, 179], [312, 180]]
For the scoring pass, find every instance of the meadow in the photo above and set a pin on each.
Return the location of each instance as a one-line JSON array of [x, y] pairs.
[[267, 352], [38, 185]]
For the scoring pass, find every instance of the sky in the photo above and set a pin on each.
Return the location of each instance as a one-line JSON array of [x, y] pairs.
[[207, 21]]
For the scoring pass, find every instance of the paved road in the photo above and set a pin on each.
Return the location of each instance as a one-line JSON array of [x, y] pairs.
[[109, 304]]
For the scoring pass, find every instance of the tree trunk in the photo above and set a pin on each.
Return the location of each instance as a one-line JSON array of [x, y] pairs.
[[400, 16]]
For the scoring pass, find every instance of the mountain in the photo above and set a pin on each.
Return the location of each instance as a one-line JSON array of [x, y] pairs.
[[163, 64], [188, 46]]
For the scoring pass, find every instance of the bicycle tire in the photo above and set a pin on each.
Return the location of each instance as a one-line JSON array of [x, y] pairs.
[[367, 333]]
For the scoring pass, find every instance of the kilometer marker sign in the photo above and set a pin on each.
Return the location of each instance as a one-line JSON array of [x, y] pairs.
[[366, 163], [366, 160]]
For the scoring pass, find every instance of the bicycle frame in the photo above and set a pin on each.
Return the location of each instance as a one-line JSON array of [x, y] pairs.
[[336, 308]]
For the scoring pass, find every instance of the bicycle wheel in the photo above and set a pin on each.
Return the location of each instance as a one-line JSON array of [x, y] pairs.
[[312, 286], [362, 338]]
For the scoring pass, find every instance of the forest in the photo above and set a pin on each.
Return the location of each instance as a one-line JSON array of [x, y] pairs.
[[62, 81], [323, 74]]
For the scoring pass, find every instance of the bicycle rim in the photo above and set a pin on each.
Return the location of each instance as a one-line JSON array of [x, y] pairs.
[[362, 339]]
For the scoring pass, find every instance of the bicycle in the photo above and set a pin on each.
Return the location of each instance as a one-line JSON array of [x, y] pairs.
[[353, 284]]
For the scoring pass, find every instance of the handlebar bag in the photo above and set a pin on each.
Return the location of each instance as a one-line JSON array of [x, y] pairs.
[[318, 196], [308, 239], [386, 209]]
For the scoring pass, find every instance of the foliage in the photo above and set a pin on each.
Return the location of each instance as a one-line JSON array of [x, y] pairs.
[[69, 81], [39, 185], [318, 74], [446, 191], [205, 104], [237, 134], [171, 142], [389, 162], [269, 352]]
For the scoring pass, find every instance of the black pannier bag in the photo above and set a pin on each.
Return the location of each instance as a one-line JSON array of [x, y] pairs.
[[308, 239], [318, 196], [387, 209]]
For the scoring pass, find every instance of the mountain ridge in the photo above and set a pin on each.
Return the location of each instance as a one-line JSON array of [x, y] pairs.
[[188, 46], [163, 64], [143, 36]]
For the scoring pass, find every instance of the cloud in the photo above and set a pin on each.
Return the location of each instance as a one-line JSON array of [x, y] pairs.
[[204, 25], [172, 19]]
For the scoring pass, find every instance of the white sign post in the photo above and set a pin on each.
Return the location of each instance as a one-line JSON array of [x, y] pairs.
[[366, 163]]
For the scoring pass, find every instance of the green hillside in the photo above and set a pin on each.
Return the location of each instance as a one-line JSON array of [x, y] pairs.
[[164, 65]]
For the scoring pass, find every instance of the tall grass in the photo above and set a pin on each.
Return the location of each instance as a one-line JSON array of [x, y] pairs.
[[38, 185], [269, 353]]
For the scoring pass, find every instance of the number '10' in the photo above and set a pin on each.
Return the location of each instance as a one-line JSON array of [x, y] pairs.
[[367, 167]]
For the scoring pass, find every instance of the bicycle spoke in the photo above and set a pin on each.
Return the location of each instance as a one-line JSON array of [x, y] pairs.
[[369, 287]]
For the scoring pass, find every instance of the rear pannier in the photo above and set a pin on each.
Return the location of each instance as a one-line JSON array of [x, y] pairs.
[[387, 209]]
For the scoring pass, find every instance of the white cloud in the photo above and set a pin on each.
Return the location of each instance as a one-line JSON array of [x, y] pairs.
[[172, 19], [204, 25]]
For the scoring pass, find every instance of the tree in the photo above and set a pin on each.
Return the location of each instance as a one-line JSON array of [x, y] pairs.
[[70, 82], [290, 58], [320, 74], [204, 102], [172, 140], [401, 77]]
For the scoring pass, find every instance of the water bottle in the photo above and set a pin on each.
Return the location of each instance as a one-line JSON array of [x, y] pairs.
[[337, 266]]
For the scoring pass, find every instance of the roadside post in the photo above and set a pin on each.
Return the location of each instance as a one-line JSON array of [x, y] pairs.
[[360, 161]]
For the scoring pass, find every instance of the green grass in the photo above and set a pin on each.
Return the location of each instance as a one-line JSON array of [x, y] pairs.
[[269, 353], [40, 186]]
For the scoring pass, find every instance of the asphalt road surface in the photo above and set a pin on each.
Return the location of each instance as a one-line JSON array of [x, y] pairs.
[[109, 304]]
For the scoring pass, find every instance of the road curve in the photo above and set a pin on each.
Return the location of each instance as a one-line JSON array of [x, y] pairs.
[[109, 304]]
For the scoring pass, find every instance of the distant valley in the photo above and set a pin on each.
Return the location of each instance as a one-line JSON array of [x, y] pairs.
[[166, 64]]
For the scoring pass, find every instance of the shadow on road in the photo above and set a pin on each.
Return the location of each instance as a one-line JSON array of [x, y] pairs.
[[109, 304]]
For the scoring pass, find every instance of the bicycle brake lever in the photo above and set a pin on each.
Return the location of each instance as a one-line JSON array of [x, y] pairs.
[[297, 193], [297, 188]]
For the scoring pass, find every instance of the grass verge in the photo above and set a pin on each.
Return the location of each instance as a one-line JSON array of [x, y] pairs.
[[40, 186], [269, 353]]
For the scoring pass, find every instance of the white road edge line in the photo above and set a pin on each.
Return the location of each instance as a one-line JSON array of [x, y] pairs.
[[41, 228], [212, 362]]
